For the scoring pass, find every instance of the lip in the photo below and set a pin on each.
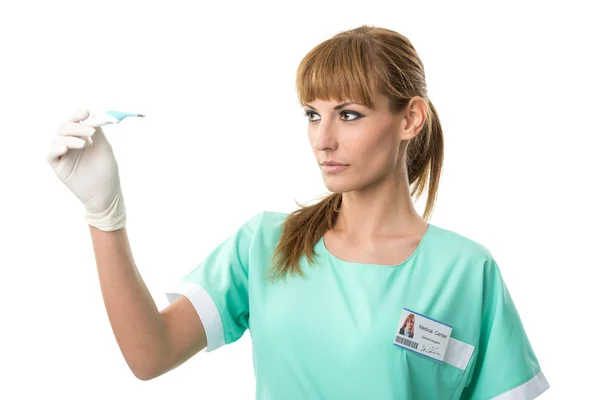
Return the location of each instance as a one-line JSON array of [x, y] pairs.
[[334, 168], [333, 163]]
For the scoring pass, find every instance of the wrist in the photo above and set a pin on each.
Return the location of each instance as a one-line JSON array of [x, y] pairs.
[[111, 219]]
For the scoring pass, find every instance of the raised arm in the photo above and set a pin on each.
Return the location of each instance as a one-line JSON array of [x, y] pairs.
[[152, 342]]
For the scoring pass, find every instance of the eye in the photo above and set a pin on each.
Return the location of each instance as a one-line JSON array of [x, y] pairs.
[[308, 114], [357, 115]]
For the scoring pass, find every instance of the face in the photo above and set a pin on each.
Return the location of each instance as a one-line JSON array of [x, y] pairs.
[[370, 142]]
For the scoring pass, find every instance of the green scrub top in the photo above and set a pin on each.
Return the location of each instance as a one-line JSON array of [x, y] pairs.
[[330, 335]]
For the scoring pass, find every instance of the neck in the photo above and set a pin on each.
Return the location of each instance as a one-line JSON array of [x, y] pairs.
[[383, 210]]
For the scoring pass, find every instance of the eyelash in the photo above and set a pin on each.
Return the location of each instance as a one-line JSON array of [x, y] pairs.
[[358, 115]]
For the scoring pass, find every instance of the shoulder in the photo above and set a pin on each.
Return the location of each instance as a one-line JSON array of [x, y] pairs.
[[264, 219], [460, 246], [452, 239], [274, 216], [272, 221], [266, 224]]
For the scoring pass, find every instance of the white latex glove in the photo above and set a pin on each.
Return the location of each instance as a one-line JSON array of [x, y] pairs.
[[83, 160]]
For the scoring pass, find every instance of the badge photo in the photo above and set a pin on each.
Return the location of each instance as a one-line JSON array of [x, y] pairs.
[[421, 334]]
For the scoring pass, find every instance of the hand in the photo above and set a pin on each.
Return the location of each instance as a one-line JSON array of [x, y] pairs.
[[83, 160]]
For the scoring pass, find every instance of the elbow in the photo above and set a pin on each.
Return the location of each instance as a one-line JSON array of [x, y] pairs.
[[150, 367], [143, 375], [143, 372], [149, 371]]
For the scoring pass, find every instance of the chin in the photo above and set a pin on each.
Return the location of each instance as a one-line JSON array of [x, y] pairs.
[[338, 187]]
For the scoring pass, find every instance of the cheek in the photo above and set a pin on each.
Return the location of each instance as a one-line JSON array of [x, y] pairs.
[[375, 156]]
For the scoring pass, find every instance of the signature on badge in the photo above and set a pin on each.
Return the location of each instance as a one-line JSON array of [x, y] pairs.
[[430, 350]]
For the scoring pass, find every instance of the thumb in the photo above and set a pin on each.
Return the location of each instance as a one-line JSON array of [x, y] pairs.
[[98, 139]]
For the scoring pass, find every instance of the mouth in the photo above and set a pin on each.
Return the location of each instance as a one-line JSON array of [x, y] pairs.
[[334, 168]]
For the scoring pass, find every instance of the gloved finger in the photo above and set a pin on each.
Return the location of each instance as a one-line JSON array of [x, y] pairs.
[[74, 129], [61, 145], [98, 139], [79, 114]]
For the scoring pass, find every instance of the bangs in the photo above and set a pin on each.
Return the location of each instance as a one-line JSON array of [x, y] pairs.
[[341, 69]]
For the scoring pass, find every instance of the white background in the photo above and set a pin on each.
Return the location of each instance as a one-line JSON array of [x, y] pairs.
[[516, 87]]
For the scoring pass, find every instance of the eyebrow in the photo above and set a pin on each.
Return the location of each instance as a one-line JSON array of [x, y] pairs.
[[341, 105]]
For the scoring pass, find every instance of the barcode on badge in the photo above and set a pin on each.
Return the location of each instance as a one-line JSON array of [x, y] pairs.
[[407, 342]]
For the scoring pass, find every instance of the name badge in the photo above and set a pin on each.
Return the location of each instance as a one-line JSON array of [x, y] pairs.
[[423, 335]]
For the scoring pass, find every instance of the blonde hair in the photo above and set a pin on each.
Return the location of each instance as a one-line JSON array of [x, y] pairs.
[[354, 65]]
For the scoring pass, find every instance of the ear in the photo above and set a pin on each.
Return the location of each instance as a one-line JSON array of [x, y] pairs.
[[416, 116]]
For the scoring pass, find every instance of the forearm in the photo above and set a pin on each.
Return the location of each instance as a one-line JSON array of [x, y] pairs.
[[135, 320]]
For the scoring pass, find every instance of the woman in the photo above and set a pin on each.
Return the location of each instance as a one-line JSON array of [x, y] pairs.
[[322, 290], [408, 328]]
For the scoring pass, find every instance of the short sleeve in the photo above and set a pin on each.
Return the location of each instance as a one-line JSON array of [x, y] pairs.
[[506, 368], [218, 287]]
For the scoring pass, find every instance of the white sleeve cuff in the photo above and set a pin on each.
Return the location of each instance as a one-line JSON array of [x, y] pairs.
[[527, 391], [206, 309]]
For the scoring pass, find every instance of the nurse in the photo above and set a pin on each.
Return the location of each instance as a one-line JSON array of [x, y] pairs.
[[356, 296]]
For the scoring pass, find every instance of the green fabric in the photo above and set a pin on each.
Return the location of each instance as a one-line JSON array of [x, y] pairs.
[[330, 335]]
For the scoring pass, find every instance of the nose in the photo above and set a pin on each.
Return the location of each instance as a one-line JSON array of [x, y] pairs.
[[325, 136]]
